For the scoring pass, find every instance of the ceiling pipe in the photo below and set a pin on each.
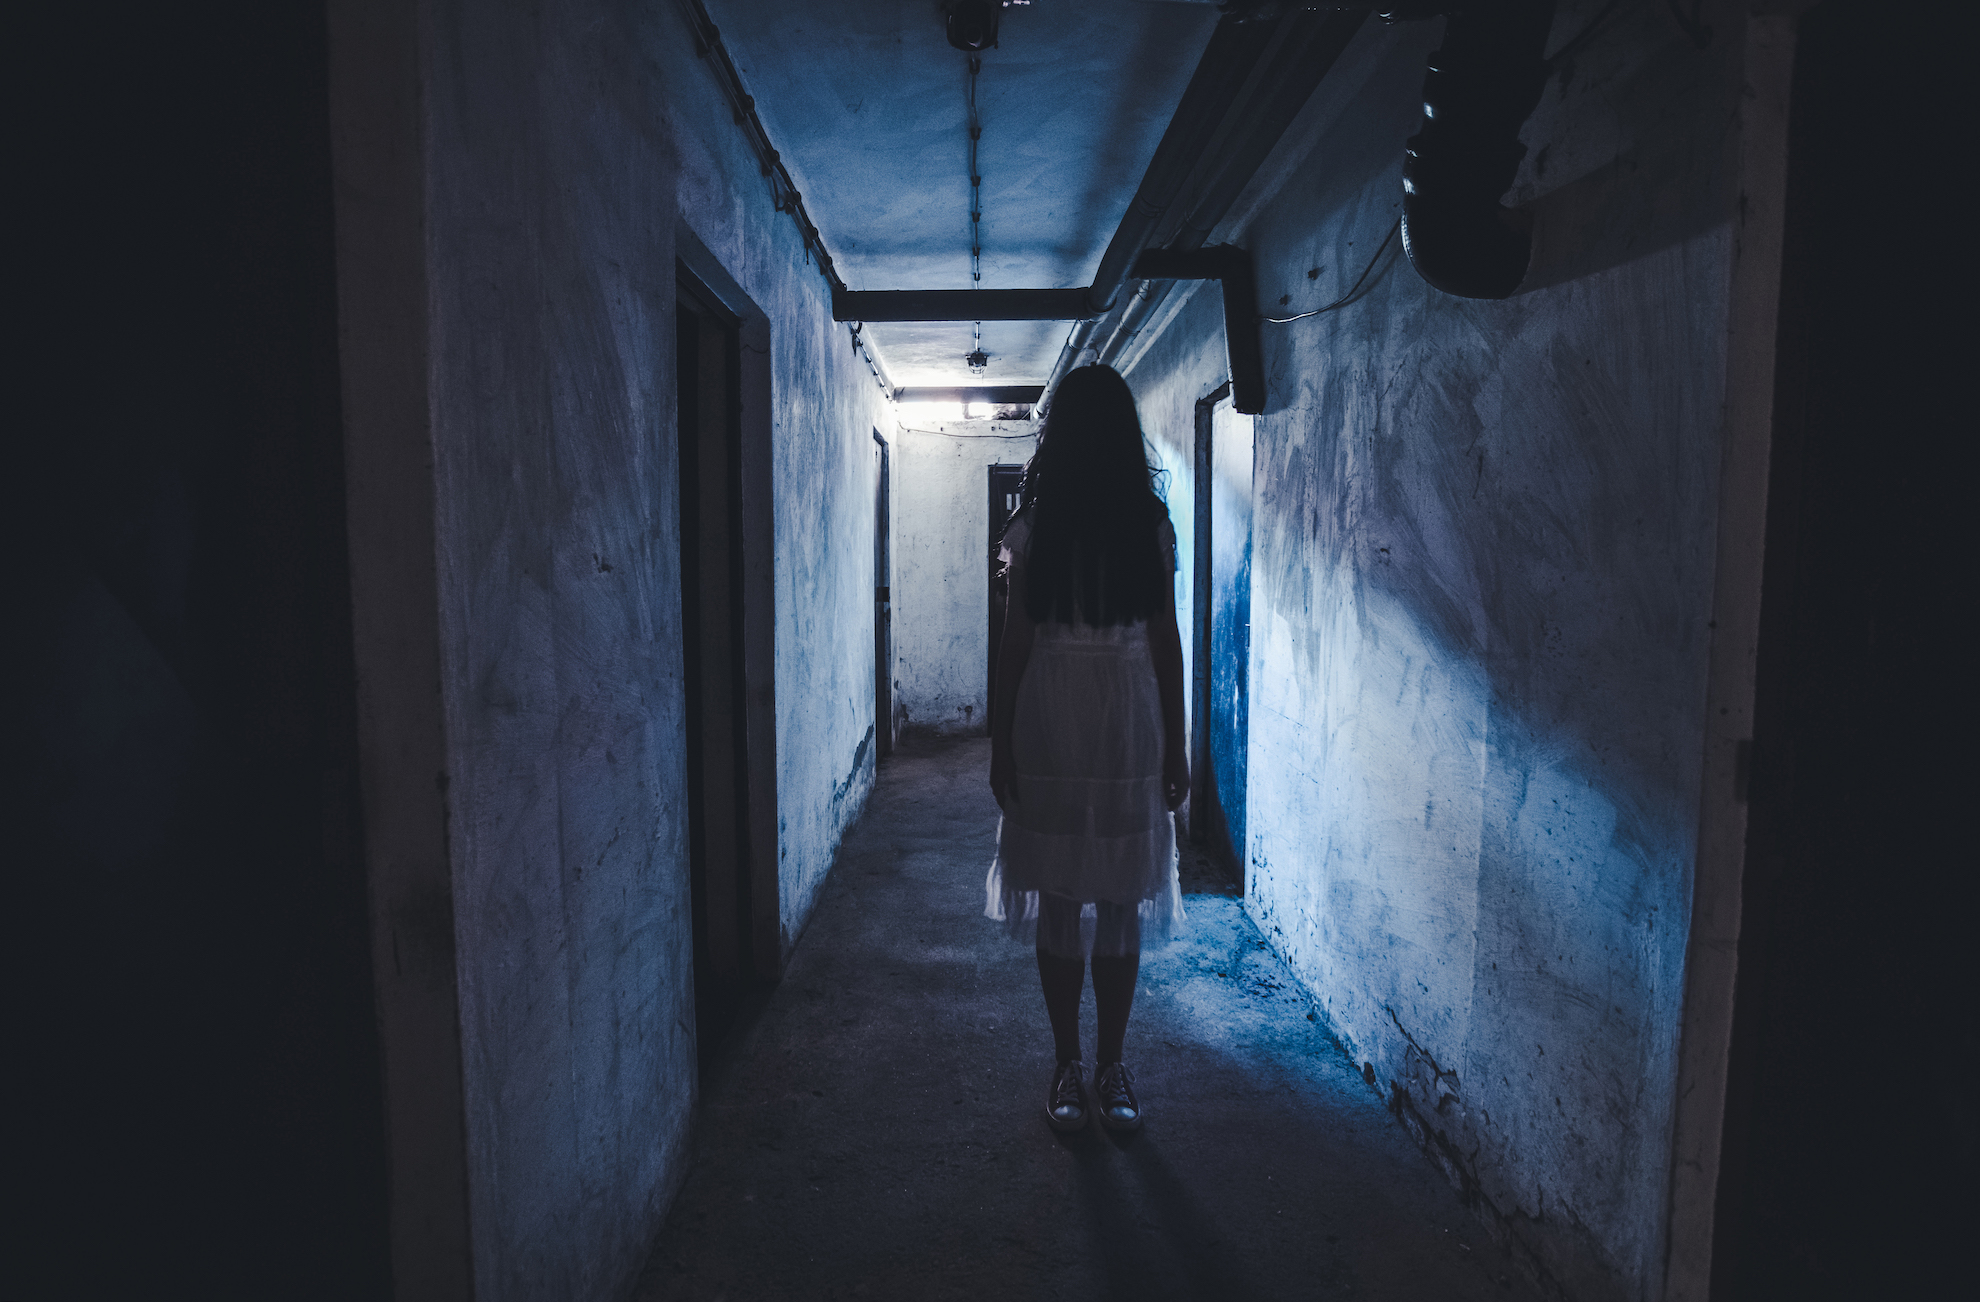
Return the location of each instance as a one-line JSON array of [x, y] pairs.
[[1286, 81], [1231, 267], [1284, 68], [1483, 81], [1228, 61], [1001, 395]]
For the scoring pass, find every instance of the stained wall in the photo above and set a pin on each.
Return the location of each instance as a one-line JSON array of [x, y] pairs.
[[556, 150], [1483, 574]]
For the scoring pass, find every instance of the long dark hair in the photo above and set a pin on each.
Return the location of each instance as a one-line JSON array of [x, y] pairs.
[[1095, 512]]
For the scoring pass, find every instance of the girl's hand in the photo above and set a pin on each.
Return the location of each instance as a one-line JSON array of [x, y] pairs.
[[1003, 776], [1175, 778]]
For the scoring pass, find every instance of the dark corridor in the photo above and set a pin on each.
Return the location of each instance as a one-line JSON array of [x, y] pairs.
[[225, 290]]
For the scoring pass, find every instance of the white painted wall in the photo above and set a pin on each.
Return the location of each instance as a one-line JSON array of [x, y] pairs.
[[1483, 585], [941, 575], [515, 176]]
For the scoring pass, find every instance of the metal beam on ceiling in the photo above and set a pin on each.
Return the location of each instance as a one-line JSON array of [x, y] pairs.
[[1003, 395], [872, 305]]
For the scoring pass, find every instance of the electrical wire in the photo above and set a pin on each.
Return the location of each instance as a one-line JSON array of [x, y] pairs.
[[976, 360], [1348, 297], [975, 179], [861, 351], [783, 191], [950, 434]]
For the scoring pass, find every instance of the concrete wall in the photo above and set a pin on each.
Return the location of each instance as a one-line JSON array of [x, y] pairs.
[[827, 406], [1483, 575], [941, 572], [552, 151]]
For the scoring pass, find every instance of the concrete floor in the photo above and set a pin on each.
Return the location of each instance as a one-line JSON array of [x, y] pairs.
[[874, 1129]]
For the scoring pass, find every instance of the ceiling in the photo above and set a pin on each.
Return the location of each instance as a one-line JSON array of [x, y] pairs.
[[865, 101]]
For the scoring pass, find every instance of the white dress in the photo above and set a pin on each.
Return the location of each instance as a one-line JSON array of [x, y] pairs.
[[1086, 855]]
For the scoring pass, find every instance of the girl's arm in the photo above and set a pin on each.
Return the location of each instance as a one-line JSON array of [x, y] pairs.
[[1013, 653], [1165, 648]]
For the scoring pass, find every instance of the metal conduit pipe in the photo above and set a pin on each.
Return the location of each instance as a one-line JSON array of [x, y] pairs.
[[1231, 268], [1313, 41], [1296, 52], [1290, 75], [1227, 64]]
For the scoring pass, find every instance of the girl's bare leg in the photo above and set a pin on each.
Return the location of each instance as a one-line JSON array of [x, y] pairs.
[[1113, 999]]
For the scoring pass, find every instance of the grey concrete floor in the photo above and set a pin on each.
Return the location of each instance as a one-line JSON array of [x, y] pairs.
[[874, 1129]]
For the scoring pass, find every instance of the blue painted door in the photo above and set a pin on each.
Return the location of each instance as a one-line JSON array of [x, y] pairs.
[[1228, 694]]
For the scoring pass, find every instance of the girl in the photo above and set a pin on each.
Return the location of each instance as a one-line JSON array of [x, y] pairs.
[[1086, 732]]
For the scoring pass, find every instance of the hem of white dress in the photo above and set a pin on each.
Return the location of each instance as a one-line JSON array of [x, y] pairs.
[[1106, 928]]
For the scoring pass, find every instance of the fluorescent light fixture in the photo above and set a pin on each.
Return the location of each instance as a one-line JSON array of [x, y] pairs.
[[909, 412]]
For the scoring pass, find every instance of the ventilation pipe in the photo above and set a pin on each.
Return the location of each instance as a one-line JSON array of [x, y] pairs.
[[1299, 50], [1482, 83], [1234, 51], [1231, 267], [1286, 79]]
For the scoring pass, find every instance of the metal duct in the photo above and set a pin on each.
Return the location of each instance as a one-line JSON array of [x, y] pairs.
[[1227, 64], [1301, 48], [1231, 267], [1482, 83]]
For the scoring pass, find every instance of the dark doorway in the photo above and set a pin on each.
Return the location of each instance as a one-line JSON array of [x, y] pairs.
[[883, 609], [1006, 482], [709, 355], [1222, 630], [1853, 792]]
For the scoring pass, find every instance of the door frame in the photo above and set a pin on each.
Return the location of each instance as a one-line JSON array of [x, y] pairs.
[[885, 732], [1201, 624], [769, 942], [995, 625]]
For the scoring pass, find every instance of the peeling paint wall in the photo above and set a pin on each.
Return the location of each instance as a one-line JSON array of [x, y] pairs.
[[1483, 573], [941, 568], [559, 145]]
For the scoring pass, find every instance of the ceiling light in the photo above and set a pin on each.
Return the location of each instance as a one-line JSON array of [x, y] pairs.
[[977, 361]]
